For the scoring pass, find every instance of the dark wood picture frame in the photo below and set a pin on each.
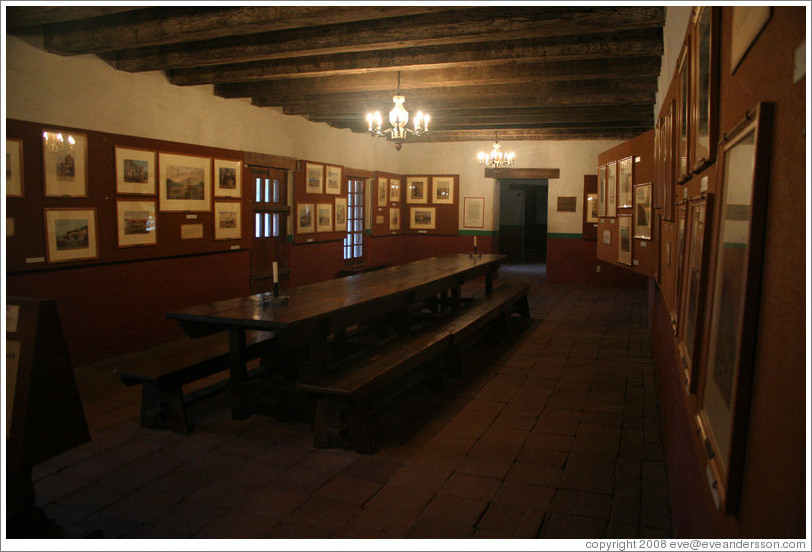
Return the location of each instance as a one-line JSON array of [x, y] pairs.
[[602, 190], [684, 114], [734, 297], [705, 65], [680, 229]]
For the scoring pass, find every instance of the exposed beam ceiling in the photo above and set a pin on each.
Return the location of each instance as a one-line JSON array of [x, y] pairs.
[[530, 73]]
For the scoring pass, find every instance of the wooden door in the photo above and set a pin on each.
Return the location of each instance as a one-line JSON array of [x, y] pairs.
[[267, 191]]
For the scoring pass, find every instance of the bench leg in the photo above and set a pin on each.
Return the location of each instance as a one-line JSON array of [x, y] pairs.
[[523, 307], [163, 407], [360, 432]]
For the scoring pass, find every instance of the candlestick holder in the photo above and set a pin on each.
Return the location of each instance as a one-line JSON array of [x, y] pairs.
[[475, 253], [274, 300]]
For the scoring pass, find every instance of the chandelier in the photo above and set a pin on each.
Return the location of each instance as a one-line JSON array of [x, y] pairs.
[[496, 158], [398, 118]]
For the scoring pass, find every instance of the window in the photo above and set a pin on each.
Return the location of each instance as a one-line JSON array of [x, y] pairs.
[[266, 222], [354, 242]]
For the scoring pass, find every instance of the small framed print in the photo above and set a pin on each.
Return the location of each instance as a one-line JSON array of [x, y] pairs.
[[611, 190], [324, 217], [624, 243], [227, 220], [602, 191], [136, 223], [394, 190], [184, 182], [65, 163], [71, 234], [473, 212], [304, 218], [341, 214], [191, 231], [394, 218], [135, 171], [591, 208], [333, 180], [383, 190], [607, 237], [14, 168], [227, 178], [314, 178], [442, 189], [642, 211], [624, 182], [422, 218], [416, 191]]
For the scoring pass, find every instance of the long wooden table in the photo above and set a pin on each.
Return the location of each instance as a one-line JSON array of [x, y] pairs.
[[314, 312]]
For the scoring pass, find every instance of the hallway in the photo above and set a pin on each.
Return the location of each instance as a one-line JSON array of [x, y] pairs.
[[556, 435]]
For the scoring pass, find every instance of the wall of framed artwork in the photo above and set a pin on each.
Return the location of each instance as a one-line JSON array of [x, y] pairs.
[[318, 192], [386, 199], [439, 195]]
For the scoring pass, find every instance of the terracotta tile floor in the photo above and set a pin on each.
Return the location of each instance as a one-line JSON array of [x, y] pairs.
[[555, 434]]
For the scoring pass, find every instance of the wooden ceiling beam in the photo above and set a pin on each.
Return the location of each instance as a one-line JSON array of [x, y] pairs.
[[641, 42], [20, 19], [162, 26], [507, 74], [475, 25]]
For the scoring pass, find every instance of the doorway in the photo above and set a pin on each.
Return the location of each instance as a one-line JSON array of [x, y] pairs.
[[523, 220]]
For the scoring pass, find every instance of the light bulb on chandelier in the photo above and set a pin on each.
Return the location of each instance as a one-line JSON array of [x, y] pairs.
[[496, 158]]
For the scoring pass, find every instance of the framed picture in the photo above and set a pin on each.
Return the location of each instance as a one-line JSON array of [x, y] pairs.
[[341, 214], [695, 289], [227, 178], [184, 182], [624, 182], [607, 237], [191, 231], [591, 208], [422, 218], [71, 234], [394, 190], [611, 189], [473, 212], [642, 211], [747, 23], [64, 163], [314, 178], [706, 79], [333, 184], [227, 220], [305, 223], [735, 289], [602, 191], [136, 223], [14, 168], [416, 189], [683, 121], [624, 243], [680, 258], [383, 190], [135, 171], [394, 218], [667, 169], [324, 217], [442, 189]]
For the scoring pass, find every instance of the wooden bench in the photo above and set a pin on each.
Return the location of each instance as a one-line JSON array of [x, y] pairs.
[[348, 395], [163, 370]]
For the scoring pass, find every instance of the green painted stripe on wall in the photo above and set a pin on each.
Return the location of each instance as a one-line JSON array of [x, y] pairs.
[[564, 236], [478, 233]]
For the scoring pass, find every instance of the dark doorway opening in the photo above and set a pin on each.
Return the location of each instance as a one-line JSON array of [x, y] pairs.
[[523, 220]]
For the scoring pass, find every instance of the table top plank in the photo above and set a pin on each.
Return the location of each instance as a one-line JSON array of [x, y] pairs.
[[332, 298]]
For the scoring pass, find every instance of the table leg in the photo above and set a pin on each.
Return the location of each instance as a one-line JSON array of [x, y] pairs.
[[237, 361], [489, 277]]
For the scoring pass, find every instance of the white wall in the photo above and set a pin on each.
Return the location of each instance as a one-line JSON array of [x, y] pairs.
[[85, 92]]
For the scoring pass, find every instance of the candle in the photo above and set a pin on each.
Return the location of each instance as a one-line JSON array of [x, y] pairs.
[[474, 241], [275, 273]]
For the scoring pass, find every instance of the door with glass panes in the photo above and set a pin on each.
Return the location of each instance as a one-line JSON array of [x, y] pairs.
[[267, 191], [354, 240]]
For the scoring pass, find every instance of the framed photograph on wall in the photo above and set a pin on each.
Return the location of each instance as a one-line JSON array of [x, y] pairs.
[[642, 211], [227, 220], [14, 168], [64, 163], [191, 231], [383, 190], [611, 189], [314, 178], [394, 218], [624, 182], [602, 191], [683, 120], [417, 189], [591, 208], [305, 220], [473, 212], [71, 234], [442, 189], [394, 190], [333, 179], [184, 182], [136, 223], [422, 218], [735, 290], [227, 178], [135, 171], [747, 22], [624, 242], [341, 214], [324, 217], [706, 79]]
